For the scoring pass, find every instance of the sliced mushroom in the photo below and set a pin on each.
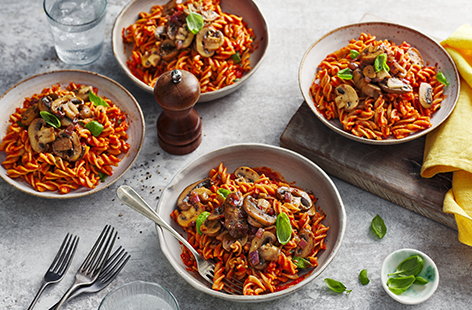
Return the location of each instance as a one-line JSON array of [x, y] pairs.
[[228, 241], [40, 135], [371, 52], [306, 244], [397, 69], [208, 40], [209, 15], [184, 37], [347, 97], [246, 174], [235, 217], [150, 60], [396, 86], [251, 221], [29, 115], [83, 92], [367, 89], [65, 121], [45, 102], [210, 228], [369, 72], [381, 75], [67, 145], [262, 247], [168, 50], [258, 210], [183, 199], [66, 106], [187, 217], [426, 95], [159, 32], [85, 111], [295, 196], [415, 57]]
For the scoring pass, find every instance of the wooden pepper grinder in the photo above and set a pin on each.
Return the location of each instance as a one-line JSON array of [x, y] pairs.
[[179, 126]]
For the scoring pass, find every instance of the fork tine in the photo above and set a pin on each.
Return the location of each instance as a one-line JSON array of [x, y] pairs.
[[60, 252], [94, 249], [111, 262], [235, 288], [117, 268], [103, 254], [68, 256]]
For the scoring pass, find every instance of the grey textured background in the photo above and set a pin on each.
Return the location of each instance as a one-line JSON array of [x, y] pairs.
[[31, 229]]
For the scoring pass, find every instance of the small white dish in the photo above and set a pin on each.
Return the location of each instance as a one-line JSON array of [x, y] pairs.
[[293, 167], [140, 295], [247, 9], [416, 294]]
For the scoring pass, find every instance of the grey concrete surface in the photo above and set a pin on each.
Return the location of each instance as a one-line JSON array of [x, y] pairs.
[[31, 228]]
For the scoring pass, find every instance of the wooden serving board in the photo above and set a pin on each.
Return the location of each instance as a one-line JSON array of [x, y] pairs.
[[390, 171]]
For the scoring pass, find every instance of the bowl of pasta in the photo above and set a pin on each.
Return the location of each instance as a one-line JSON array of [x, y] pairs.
[[68, 133], [221, 42], [269, 218], [378, 82]]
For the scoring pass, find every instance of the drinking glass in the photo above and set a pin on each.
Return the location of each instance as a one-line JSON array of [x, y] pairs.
[[78, 28]]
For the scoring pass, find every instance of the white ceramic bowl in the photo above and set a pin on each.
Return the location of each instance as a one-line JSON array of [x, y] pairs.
[[432, 52], [293, 167], [244, 8], [416, 293], [14, 97]]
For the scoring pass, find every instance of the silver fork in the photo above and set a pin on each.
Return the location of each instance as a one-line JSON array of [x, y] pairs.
[[205, 268], [93, 264], [59, 266], [112, 268]]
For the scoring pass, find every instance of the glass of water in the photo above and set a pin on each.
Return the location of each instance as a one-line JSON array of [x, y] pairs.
[[78, 28]]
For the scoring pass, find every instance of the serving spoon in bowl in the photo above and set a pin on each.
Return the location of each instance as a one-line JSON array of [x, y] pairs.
[[205, 268]]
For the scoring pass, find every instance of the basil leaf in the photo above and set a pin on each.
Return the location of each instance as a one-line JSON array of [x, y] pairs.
[[420, 281], [200, 220], [283, 228], [50, 119], [336, 286], [301, 262], [236, 58], [223, 192], [378, 226], [94, 127], [102, 176], [345, 74], [380, 63], [399, 285], [411, 266], [353, 54], [363, 278], [194, 22], [97, 100], [442, 78]]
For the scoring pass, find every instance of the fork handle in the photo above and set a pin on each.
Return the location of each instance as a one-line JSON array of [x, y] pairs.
[[40, 291], [132, 199], [66, 296]]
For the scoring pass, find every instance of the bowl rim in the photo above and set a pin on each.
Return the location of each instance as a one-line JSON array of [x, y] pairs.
[[216, 93], [389, 141], [398, 298], [72, 195], [269, 296]]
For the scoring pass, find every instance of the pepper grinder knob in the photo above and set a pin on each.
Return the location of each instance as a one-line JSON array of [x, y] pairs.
[[179, 126]]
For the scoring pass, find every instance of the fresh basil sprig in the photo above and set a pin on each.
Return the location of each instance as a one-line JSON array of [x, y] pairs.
[[95, 128], [411, 266], [420, 280], [345, 74], [336, 286], [363, 278], [194, 22], [442, 78], [283, 228], [301, 262], [399, 285], [380, 63], [50, 119], [200, 220], [223, 192], [378, 226], [353, 54], [97, 100]]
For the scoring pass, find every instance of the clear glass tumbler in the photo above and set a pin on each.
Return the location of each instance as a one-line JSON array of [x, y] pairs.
[[78, 28]]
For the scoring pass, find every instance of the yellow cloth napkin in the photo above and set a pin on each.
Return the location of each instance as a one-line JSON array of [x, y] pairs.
[[449, 148]]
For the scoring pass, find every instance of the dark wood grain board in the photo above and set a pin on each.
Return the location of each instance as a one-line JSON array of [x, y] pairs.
[[390, 171]]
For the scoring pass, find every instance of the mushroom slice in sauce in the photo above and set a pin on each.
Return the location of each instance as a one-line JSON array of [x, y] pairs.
[[246, 174], [29, 115], [187, 217], [67, 145], [45, 103], [83, 92], [306, 244], [40, 135], [183, 202], [367, 89], [371, 52], [66, 106], [208, 40], [396, 86], [347, 97], [168, 50], [184, 37], [228, 241], [369, 72], [426, 95], [258, 210], [263, 250], [295, 196], [415, 56], [210, 228]]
